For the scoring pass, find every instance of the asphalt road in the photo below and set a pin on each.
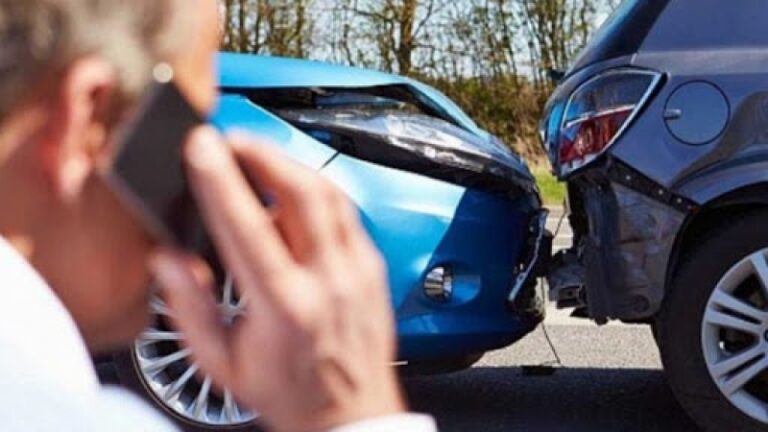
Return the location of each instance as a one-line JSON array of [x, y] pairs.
[[610, 379]]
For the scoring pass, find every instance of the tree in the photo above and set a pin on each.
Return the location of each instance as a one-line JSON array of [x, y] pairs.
[[556, 31], [491, 56], [395, 29], [275, 27]]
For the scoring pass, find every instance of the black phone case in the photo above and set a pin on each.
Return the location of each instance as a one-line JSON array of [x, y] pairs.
[[148, 170]]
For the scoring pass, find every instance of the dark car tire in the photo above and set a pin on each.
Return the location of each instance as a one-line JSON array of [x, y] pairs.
[[129, 377], [679, 325]]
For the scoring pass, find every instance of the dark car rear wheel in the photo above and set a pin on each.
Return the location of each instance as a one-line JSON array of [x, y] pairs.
[[713, 328], [158, 367]]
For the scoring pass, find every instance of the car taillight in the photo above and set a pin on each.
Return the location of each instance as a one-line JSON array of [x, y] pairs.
[[599, 111]]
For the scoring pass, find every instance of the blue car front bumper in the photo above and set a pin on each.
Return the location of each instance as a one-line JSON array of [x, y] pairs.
[[420, 223]]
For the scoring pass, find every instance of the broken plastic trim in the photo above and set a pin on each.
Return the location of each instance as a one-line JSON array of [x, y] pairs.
[[622, 174], [618, 172], [313, 97], [627, 254], [420, 144], [626, 245], [398, 127], [538, 257]]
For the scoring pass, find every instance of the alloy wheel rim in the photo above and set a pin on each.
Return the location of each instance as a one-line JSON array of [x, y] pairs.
[[735, 335], [165, 368]]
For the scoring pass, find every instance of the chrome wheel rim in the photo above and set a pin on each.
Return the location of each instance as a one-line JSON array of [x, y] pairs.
[[174, 381], [735, 335]]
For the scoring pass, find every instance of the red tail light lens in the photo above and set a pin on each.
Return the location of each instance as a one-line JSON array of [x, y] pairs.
[[588, 137], [599, 111]]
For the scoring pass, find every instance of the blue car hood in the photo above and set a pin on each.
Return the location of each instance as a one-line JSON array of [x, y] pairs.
[[250, 71], [243, 72]]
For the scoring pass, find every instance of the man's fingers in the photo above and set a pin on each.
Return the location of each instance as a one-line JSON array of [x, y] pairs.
[[308, 203], [242, 229], [348, 224], [188, 288]]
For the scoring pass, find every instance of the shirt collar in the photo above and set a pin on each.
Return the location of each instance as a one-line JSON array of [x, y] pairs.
[[38, 336]]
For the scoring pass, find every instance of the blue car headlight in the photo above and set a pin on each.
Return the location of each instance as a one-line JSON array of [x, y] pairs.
[[417, 142]]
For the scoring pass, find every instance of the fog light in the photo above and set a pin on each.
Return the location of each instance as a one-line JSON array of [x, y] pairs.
[[438, 285]]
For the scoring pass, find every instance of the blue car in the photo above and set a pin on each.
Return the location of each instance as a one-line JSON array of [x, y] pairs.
[[455, 213]]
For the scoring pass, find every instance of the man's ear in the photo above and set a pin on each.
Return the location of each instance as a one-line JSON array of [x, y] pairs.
[[75, 137]]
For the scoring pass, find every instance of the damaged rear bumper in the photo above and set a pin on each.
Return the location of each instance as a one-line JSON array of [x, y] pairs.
[[625, 229]]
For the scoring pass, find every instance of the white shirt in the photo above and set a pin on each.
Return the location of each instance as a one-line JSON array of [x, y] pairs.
[[47, 379]]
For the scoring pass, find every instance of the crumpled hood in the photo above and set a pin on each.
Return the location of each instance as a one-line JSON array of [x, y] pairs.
[[240, 74], [239, 71]]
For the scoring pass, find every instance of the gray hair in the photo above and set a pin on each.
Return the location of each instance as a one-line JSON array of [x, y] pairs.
[[44, 36]]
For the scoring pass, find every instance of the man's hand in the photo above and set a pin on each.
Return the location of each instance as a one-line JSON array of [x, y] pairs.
[[314, 347]]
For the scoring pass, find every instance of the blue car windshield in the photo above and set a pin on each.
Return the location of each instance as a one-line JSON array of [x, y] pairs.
[[622, 33]]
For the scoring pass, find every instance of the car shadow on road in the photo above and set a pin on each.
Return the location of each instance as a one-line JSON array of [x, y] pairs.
[[490, 399]]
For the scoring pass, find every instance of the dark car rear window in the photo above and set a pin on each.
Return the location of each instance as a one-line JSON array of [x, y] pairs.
[[622, 33]]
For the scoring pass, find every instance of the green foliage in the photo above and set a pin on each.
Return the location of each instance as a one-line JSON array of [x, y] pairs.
[[552, 191], [491, 56], [507, 106]]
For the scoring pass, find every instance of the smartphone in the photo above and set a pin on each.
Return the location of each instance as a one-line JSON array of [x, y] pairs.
[[148, 173]]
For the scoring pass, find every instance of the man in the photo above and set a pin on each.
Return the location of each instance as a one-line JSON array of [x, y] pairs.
[[312, 352]]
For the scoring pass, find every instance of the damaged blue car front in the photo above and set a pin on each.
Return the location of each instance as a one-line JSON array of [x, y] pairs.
[[455, 213]]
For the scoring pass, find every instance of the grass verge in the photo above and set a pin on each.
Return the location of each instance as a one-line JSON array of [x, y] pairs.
[[552, 191]]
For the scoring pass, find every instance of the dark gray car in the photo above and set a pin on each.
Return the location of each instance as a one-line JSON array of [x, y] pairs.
[[660, 129]]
